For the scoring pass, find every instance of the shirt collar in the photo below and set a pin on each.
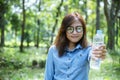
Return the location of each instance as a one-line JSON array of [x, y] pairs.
[[78, 46]]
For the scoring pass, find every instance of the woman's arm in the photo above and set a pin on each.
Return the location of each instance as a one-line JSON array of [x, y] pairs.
[[49, 67]]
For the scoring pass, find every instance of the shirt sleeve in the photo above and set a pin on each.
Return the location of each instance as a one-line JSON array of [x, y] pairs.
[[89, 53], [49, 67]]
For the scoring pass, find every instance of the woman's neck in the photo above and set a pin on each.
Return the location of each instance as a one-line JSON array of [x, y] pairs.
[[71, 46]]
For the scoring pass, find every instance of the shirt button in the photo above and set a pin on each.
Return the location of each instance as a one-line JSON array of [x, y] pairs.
[[69, 59], [67, 76], [68, 67], [80, 54]]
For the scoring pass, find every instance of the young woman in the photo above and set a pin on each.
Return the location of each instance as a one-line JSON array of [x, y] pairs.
[[68, 58]]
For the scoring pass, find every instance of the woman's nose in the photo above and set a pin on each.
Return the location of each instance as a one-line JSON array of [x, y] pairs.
[[74, 32]]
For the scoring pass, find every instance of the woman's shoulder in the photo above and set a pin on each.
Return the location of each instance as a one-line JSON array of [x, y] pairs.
[[53, 50], [53, 47]]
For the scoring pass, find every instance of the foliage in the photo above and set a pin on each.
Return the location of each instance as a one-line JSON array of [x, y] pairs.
[[30, 64], [12, 58], [16, 65], [22, 74], [45, 12], [110, 68]]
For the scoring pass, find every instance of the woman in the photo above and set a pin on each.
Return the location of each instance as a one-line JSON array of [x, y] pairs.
[[68, 58]]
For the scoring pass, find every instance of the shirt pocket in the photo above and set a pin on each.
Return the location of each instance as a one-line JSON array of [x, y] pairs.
[[60, 68], [81, 60]]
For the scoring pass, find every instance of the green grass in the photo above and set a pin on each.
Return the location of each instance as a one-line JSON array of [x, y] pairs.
[[19, 65], [108, 70], [22, 74]]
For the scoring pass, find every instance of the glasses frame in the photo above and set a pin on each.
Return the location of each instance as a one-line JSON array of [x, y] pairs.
[[78, 29]]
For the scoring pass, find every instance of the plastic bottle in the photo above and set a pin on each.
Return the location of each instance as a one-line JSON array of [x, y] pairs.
[[98, 40]]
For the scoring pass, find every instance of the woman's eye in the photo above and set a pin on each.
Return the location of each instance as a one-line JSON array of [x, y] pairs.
[[79, 29], [69, 29]]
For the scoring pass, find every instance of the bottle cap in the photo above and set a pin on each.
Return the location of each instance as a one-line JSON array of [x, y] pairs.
[[99, 31]]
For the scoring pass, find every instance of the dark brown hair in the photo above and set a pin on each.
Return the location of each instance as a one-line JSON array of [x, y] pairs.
[[61, 40]]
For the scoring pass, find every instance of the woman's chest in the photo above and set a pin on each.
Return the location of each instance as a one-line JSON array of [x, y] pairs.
[[71, 60]]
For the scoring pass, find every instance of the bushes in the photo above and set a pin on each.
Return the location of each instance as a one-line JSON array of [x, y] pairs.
[[30, 65], [4, 62], [11, 57], [110, 68], [27, 65], [39, 64]]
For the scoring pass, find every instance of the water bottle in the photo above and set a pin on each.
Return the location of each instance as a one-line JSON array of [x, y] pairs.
[[98, 40]]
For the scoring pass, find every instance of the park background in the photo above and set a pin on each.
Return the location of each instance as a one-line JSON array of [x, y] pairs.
[[28, 28]]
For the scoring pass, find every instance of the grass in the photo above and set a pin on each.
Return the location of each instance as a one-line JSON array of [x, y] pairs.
[[22, 74], [19, 65], [12, 70], [108, 70]]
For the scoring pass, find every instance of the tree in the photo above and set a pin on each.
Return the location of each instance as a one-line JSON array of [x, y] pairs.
[[85, 7], [97, 15], [117, 30], [3, 10], [38, 26], [111, 12], [56, 19], [15, 21], [23, 26]]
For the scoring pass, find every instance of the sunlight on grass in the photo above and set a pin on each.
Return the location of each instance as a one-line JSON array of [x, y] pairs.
[[18, 66], [26, 72], [23, 74], [106, 72]]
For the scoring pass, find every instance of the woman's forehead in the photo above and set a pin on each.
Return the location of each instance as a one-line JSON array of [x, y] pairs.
[[76, 23]]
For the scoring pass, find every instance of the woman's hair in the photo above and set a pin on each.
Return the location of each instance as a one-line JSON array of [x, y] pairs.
[[61, 41]]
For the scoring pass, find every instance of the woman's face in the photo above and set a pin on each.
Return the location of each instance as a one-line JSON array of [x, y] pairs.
[[74, 32]]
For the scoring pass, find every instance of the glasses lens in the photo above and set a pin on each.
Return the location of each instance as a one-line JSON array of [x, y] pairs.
[[79, 29], [70, 29]]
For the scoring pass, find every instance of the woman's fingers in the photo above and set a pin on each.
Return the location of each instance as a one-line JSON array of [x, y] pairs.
[[100, 53]]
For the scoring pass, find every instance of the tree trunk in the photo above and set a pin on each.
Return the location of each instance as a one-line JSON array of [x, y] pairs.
[[38, 23], [111, 15], [23, 27], [38, 31], [98, 15], [3, 10], [117, 32], [117, 27], [2, 25], [2, 36], [56, 21], [86, 15]]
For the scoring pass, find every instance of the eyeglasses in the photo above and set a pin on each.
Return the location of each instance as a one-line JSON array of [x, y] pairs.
[[77, 28]]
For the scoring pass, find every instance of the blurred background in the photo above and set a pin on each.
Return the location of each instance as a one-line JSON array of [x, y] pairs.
[[28, 28]]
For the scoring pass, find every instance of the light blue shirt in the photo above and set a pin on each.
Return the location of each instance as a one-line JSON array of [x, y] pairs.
[[73, 65]]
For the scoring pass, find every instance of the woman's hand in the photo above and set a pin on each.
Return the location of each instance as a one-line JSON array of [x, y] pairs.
[[100, 52]]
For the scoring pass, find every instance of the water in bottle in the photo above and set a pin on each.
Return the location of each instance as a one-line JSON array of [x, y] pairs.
[[98, 40]]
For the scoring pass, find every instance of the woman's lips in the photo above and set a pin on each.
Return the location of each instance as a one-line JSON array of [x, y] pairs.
[[74, 36]]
